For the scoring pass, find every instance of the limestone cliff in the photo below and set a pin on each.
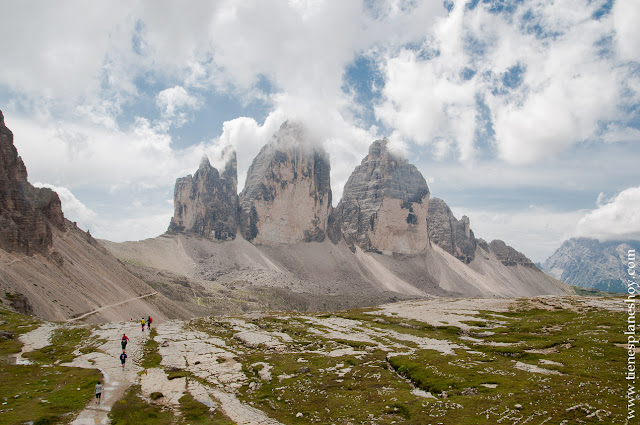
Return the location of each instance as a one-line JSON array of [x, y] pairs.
[[384, 206], [26, 213], [453, 235], [287, 194], [206, 203]]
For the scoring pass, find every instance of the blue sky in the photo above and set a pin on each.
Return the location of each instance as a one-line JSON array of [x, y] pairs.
[[523, 115]]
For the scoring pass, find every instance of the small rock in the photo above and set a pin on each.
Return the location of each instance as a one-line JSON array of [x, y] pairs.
[[470, 391], [6, 335], [299, 415], [305, 369], [518, 406]]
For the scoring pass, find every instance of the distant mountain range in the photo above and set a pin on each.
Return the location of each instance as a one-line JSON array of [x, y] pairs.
[[589, 263]]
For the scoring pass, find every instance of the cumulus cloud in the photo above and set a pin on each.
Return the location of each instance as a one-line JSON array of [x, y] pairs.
[[547, 73], [520, 86], [616, 219], [175, 98]]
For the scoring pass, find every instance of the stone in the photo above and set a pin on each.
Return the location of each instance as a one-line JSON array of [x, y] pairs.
[[453, 235], [206, 204], [384, 206], [287, 194], [508, 255], [27, 213]]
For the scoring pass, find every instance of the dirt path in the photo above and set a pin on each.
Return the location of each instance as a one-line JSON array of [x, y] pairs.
[[106, 359], [111, 305]]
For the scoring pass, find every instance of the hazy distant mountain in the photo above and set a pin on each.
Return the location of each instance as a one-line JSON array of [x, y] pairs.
[[589, 263]]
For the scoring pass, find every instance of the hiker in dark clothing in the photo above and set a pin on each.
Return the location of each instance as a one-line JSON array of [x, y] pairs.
[[123, 359], [124, 341], [149, 320]]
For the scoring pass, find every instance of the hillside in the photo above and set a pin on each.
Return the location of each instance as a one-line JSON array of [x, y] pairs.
[[51, 268]]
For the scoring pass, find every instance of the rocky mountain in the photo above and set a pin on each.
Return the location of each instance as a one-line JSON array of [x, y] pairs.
[[453, 235], [266, 248], [27, 214], [50, 267], [287, 194], [384, 206], [378, 247], [589, 263], [207, 203]]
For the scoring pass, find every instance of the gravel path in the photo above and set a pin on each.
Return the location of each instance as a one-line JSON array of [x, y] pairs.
[[106, 359]]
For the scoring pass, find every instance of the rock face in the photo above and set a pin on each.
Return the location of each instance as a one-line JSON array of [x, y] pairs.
[[384, 207], [589, 263], [26, 213], [508, 255], [452, 235], [207, 203], [287, 194]]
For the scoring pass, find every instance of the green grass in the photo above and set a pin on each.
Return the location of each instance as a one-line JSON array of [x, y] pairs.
[[195, 412], [152, 357], [132, 409], [377, 390], [44, 395], [63, 343]]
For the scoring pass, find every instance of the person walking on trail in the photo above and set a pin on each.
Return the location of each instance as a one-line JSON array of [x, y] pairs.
[[123, 359], [142, 323], [124, 341], [98, 393], [149, 320]]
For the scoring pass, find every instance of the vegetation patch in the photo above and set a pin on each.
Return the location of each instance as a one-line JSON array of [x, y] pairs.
[[32, 393], [133, 409], [151, 355]]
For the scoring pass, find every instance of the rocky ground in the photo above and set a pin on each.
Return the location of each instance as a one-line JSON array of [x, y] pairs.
[[530, 361]]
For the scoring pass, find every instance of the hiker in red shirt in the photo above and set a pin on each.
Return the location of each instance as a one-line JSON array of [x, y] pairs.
[[124, 341]]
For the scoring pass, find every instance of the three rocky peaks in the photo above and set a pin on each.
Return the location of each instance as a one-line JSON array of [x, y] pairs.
[[280, 242], [385, 208]]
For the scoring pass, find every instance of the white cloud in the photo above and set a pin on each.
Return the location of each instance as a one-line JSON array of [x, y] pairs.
[[174, 98], [617, 219], [626, 15], [565, 83]]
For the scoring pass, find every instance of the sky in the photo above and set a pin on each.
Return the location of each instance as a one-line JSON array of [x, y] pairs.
[[522, 115]]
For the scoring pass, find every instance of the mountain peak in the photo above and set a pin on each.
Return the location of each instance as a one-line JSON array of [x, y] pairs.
[[384, 204], [287, 195], [204, 162]]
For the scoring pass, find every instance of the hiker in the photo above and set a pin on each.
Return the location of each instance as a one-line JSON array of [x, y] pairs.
[[123, 359], [149, 320], [98, 392], [142, 322], [124, 341]]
